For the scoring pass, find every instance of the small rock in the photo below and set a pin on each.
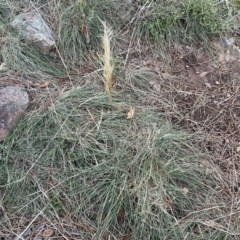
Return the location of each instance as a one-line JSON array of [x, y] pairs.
[[157, 69], [208, 85], [3, 67], [227, 43], [157, 87], [203, 74], [13, 103], [238, 149], [34, 29], [185, 191]]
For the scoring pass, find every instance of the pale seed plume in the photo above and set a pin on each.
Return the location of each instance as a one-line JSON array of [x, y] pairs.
[[107, 58]]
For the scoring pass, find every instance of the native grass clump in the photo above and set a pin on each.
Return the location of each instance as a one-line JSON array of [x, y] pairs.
[[171, 22], [79, 27], [4, 16], [103, 161], [24, 57], [118, 173]]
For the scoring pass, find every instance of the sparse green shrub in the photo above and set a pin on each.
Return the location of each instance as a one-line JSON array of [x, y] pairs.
[[171, 21], [204, 18]]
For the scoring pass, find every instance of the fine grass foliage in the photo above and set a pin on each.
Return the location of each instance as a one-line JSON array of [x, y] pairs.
[[18, 53], [81, 159], [188, 21], [4, 16], [21, 55], [79, 27], [84, 159]]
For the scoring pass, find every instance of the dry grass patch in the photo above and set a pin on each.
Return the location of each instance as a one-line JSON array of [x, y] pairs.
[[91, 168], [84, 160]]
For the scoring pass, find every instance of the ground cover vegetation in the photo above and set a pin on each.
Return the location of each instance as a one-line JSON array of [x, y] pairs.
[[121, 140]]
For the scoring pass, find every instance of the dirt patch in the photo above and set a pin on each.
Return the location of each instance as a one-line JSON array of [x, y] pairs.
[[203, 96]]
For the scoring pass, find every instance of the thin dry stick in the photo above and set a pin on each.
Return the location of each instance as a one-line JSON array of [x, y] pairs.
[[29, 225]]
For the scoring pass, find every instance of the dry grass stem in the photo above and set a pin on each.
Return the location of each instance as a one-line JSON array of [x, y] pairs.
[[107, 60]]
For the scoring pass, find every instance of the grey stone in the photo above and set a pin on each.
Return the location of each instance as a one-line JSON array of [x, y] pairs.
[[226, 43], [34, 29], [13, 103]]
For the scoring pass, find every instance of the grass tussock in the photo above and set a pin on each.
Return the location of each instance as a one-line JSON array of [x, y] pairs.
[[4, 16], [79, 27], [24, 57], [92, 167], [84, 159], [172, 22]]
